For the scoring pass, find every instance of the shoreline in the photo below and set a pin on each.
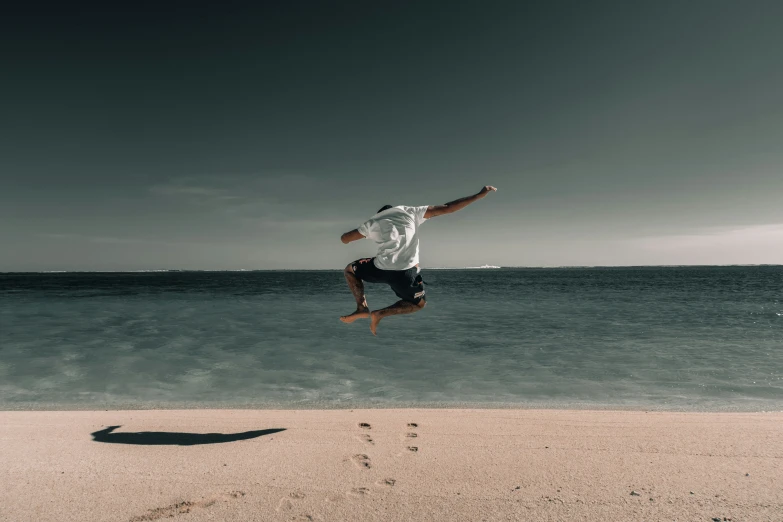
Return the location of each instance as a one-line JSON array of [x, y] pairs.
[[342, 464], [316, 406]]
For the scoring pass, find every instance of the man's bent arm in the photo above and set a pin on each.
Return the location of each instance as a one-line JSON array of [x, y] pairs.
[[353, 235], [457, 204]]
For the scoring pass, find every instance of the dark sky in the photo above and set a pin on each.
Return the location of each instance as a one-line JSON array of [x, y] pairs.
[[229, 136]]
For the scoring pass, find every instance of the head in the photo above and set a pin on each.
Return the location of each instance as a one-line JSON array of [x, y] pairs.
[[385, 207]]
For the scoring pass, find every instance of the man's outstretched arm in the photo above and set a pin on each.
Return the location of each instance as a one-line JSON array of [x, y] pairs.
[[353, 235], [457, 204]]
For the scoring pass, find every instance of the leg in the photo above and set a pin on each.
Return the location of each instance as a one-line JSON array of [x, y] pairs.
[[357, 289], [398, 308]]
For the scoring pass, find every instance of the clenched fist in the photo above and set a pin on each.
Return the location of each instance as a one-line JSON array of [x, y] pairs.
[[486, 190]]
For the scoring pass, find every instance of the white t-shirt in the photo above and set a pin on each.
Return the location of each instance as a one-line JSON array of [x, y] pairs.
[[394, 230]]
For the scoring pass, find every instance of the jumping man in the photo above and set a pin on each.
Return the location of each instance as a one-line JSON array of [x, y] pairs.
[[397, 260]]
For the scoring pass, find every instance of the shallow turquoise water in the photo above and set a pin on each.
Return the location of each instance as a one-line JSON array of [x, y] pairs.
[[676, 338]]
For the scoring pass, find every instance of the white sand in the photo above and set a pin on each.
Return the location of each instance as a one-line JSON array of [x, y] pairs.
[[469, 465]]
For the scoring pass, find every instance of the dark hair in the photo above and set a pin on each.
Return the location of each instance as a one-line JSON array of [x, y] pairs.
[[385, 207]]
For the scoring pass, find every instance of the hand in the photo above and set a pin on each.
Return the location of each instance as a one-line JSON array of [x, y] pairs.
[[486, 190]]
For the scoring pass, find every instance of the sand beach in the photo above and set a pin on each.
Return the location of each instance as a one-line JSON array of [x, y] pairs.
[[397, 464]]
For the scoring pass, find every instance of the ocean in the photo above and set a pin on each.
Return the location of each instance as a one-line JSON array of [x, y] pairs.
[[657, 338]]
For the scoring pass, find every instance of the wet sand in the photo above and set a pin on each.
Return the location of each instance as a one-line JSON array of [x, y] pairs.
[[404, 464]]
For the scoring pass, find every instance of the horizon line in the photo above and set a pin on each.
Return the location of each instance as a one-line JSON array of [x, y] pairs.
[[550, 267]]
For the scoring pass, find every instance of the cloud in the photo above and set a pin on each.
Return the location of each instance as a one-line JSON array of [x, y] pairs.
[[299, 224], [756, 244], [278, 197], [717, 236], [100, 239], [181, 190], [197, 193]]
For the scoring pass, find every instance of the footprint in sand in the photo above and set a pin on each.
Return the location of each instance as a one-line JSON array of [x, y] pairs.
[[360, 492], [365, 426], [362, 461], [386, 482], [286, 503], [365, 438], [337, 497], [186, 507], [412, 435]]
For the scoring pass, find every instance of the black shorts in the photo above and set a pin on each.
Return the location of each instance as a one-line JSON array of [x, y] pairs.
[[407, 284]]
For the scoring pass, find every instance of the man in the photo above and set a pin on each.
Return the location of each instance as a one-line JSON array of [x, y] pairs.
[[395, 229]]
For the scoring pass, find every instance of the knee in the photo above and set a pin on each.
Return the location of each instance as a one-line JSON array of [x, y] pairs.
[[421, 304]]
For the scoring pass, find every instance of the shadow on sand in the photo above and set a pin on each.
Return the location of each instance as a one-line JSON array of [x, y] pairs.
[[163, 438]]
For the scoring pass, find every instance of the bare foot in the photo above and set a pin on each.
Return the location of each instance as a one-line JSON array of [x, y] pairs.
[[375, 318], [360, 313]]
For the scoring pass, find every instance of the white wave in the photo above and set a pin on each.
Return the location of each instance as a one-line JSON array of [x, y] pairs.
[[461, 267]]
